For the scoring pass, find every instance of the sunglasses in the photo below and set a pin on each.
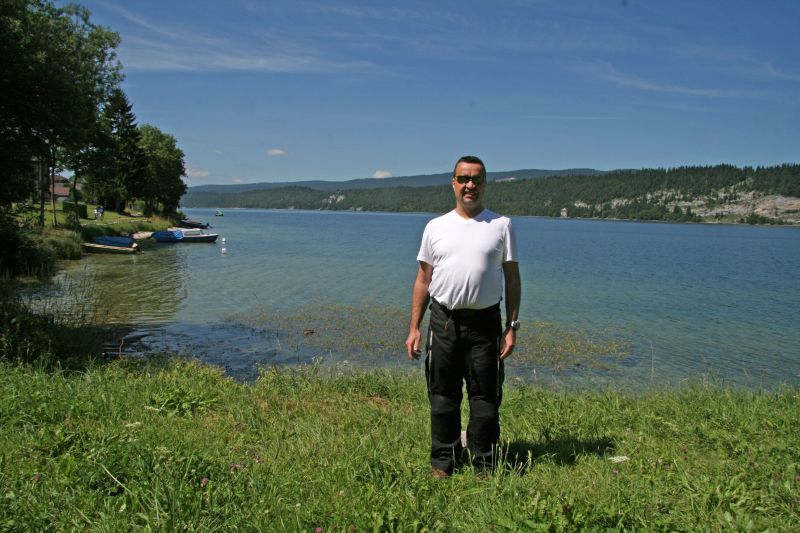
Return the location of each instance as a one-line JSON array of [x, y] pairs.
[[477, 180]]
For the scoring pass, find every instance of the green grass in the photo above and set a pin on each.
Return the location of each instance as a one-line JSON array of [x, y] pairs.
[[33, 251], [130, 445]]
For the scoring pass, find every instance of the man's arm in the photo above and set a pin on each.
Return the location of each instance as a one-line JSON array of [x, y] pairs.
[[513, 298], [419, 301]]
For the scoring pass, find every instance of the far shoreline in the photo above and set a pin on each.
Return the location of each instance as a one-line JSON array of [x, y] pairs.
[[433, 213]]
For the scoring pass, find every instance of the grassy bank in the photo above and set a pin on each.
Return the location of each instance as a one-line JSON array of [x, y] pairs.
[[128, 445], [31, 250]]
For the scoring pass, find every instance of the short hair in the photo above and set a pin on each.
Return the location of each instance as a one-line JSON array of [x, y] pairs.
[[470, 159]]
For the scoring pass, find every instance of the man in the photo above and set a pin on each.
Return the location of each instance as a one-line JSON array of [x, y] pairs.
[[465, 257]]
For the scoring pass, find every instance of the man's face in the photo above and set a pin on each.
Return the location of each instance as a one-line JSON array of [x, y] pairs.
[[469, 194]]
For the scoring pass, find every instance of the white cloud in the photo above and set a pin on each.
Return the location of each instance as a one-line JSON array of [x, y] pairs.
[[570, 117], [276, 152], [196, 172], [237, 180], [154, 46], [608, 73], [781, 74], [219, 152], [380, 174]]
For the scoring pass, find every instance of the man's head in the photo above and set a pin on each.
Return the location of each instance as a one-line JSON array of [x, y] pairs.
[[469, 183]]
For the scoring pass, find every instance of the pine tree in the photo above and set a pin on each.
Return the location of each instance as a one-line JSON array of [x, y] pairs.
[[118, 173]]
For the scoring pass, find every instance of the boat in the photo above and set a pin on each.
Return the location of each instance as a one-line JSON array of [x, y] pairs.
[[170, 235], [113, 240], [184, 235], [94, 248], [189, 223], [196, 235], [218, 213]]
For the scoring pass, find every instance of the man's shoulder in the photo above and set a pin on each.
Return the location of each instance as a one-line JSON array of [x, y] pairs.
[[487, 215], [441, 219]]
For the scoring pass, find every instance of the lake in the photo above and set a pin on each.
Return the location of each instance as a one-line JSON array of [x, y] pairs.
[[604, 302]]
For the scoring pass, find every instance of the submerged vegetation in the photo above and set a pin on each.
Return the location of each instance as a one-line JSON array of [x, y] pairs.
[[373, 334]]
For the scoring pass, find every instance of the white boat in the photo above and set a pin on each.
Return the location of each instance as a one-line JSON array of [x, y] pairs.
[[195, 235]]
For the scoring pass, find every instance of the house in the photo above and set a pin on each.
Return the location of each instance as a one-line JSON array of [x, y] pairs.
[[62, 188]]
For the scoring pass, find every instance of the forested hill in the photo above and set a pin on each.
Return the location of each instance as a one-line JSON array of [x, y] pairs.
[[421, 180], [723, 193]]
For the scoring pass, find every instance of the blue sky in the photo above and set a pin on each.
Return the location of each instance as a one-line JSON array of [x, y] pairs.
[[309, 89]]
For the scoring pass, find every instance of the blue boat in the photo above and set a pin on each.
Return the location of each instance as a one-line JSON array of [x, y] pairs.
[[111, 240], [168, 235]]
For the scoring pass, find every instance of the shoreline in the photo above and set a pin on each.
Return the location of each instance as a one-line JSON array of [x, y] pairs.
[[432, 213]]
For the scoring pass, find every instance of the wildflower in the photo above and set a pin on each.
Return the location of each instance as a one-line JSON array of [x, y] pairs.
[[36, 477], [318, 530], [204, 482], [236, 466], [619, 458]]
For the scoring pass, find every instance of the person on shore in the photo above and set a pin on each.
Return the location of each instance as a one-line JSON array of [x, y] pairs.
[[102, 210], [95, 213], [466, 258]]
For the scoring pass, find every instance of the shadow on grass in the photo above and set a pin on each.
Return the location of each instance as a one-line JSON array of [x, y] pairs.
[[520, 455]]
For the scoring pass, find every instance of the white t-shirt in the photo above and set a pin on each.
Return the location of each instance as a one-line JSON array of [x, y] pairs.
[[467, 256]]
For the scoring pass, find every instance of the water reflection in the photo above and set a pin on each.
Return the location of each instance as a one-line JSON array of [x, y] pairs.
[[131, 289]]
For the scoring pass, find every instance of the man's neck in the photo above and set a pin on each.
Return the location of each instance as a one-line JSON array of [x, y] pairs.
[[467, 212]]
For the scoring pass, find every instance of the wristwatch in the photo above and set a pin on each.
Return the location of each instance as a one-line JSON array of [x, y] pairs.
[[513, 324]]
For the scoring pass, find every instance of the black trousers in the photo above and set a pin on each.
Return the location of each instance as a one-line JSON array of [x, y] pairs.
[[464, 347]]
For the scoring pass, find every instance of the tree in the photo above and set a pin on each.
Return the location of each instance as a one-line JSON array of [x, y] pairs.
[[165, 169], [117, 170], [57, 70]]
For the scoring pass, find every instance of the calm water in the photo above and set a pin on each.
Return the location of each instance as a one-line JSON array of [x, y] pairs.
[[691, 300]]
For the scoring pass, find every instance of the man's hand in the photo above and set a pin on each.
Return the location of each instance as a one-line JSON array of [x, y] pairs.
[[507, 344], [419, 301], [412, 344]]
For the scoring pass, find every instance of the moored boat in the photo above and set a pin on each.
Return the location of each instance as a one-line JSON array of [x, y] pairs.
[[114, 240], [189, 223], [170, 235], [184, 235], [196, 235], [218, 213], [93, 247]]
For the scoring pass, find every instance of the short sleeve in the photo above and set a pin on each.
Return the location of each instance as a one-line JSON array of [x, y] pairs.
[[425, 253], [509, 243]]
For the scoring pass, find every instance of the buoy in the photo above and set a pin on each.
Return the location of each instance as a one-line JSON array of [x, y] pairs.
[[223, 240], [224, 250]]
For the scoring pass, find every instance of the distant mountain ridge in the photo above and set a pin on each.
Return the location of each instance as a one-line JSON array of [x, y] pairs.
[[720, 193], [421, 180]]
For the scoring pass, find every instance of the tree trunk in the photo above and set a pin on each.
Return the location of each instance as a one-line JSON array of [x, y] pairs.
[[53, 184], [42, 190], [53, 195], [74, 194]]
